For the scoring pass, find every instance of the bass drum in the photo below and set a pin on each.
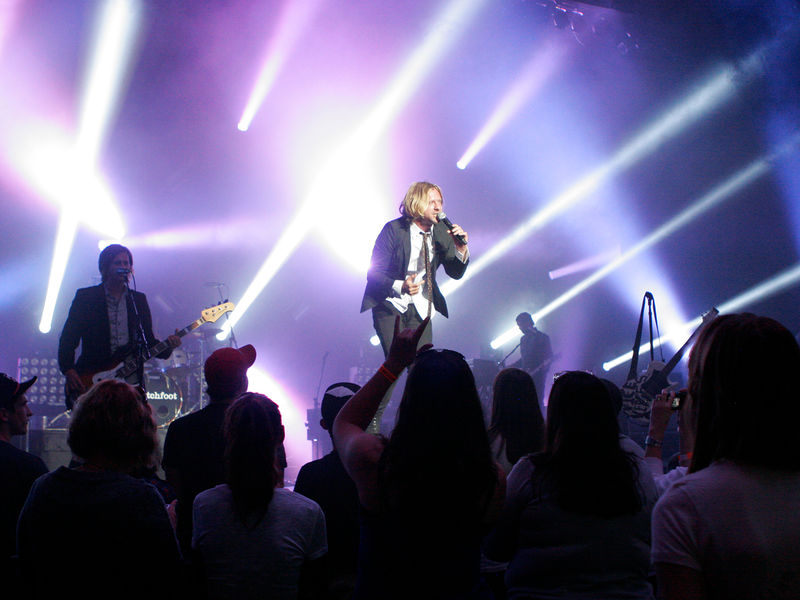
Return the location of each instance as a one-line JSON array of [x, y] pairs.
[[164, 395]]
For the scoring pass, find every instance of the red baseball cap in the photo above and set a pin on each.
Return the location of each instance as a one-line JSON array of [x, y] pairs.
[[225, 368]]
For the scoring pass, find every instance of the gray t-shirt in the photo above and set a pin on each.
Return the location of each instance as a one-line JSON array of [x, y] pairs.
[[738, 525], [260, 560]]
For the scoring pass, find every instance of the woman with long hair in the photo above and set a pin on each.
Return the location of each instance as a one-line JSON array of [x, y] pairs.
[[576, 522], [517, 425], [429, 491], [251, 539], [729, 528]]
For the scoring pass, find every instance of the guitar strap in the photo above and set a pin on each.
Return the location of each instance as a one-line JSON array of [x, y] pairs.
[[651, 313], [652, 316], [635, 359]]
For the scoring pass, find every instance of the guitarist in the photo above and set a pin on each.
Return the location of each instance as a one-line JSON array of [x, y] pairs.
[[106, 320], [535, 351]]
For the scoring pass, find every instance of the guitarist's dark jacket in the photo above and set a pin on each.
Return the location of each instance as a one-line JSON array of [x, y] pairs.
[[390, 257], [87, 324]]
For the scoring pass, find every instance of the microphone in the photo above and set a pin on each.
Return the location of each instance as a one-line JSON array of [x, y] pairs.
[[442, 218], [213, 284]]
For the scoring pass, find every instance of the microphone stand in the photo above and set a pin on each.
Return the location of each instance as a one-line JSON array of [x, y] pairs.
[[315, 453], [140, 340], [502, 363]]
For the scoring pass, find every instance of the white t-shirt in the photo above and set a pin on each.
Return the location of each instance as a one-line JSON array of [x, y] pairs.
[[738, 525], [263, 560]]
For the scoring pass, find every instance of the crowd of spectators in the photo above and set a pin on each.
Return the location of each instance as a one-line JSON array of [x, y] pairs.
[[560, 505]]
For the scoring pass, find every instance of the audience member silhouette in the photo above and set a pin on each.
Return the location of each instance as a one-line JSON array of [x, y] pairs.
[[250, 539], [616, 402], [729, 528], [18, 470], [517, 425], [516, 429], [94, 531], [430, 489], [327, 483], [576, 522], [194, 447]]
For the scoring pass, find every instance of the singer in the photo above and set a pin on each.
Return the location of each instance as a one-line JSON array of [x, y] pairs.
[[399, 282], [107, 320]]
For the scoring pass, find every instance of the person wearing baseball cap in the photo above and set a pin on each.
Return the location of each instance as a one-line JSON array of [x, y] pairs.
[[18, 469], [194, 447], [327, 483]]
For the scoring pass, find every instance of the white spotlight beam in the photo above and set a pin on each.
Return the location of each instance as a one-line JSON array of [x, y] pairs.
[[8, 16], [64, 239], [114, 38], [713, 93], [719, 194], [585, 264], [772, 286], [293, 21], [536, 73], [351, 154], [113, 44]]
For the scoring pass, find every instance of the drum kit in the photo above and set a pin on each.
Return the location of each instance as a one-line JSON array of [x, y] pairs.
[[176, 385]]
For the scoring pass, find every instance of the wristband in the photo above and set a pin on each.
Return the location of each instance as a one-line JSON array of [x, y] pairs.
[[648, 441], [387, 373]]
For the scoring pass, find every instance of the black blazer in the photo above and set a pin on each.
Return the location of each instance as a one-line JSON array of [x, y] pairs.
[[87, 324], [390, 257]]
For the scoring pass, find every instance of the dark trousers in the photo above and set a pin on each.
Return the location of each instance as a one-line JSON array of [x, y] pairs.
[[383, 318]]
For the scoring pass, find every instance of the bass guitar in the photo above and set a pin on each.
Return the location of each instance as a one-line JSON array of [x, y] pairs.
[[638, 393], [128, 364]]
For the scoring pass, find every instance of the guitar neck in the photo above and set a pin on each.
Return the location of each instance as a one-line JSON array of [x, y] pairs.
[[163, 345], [679, 354], [677, 357]]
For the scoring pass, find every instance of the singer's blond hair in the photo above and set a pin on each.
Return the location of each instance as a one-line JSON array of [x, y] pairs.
[[416, 199]]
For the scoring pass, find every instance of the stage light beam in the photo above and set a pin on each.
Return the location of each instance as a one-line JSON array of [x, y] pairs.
[[585, 264], [67, 227], [9, 11], [531, 80], [114, 39], [716, 196], [715, 91], [293, 21]]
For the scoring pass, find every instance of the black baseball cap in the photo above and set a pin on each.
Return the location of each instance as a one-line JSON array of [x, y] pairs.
[[11, 389]]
